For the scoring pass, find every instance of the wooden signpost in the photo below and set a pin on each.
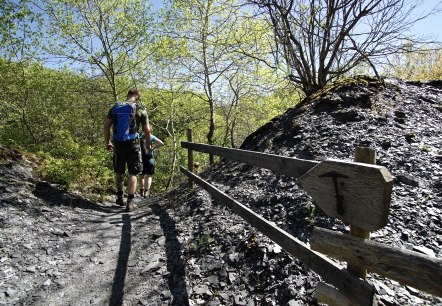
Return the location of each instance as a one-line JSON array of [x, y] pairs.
[[356, 193]]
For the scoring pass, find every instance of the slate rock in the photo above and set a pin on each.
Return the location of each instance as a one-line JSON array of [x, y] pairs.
[[166, 294], [213, 279], [407, 179], [424, 250], [202, 290], [214, 302], [10, 292]]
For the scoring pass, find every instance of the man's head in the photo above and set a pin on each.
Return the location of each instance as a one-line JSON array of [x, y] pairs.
[[133, 95]]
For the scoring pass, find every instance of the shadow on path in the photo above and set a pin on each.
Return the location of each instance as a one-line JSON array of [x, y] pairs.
[[56, 197], [116, 298], [175, 264]]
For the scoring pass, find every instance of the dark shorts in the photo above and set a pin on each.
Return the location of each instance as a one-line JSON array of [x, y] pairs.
[[148, 165], [127, 153], [148, 160]]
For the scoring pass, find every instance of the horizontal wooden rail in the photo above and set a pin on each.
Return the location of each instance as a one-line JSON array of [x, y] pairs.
[[358, 291], [289, 166], [335, 185], [407, 267]]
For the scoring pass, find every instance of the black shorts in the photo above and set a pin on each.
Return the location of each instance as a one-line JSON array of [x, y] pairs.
[[148, 165], [127, 153], [148, 160]]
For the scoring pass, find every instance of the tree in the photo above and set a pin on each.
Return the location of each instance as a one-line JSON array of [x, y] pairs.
[[250, 82], [19, 47], [424, 64], [323, 40], [205, 27], [109, 36]]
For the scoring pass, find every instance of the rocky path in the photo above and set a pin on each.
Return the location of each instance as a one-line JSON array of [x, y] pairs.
[[58, 248]]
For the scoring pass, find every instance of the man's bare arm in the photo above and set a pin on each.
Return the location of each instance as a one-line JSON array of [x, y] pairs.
[[106, 132], [147, 133]]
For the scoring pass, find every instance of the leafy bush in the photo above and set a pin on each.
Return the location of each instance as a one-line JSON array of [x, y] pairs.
[[87, 169], [57, 170]]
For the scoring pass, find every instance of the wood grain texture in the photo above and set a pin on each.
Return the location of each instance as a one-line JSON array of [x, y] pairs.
[[289, 166], [367, 156], [365, 190], [358, 291], [330, 296], [407, 267]]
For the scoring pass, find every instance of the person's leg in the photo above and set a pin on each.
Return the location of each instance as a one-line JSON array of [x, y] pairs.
[[142, 184], [148, 183], [120, 193], [119, 181], [134, 167], [150, 170], [132, 184], [144, 159], [119, 168], [141, 180], [131, 189]]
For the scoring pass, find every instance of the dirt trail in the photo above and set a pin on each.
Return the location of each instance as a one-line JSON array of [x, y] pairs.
[[115, 260]]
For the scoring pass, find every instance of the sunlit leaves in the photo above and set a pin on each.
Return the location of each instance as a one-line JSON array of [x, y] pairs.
[[422, 65], [102, 38]]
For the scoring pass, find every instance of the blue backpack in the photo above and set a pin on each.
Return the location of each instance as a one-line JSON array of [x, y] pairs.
[[125, 123]]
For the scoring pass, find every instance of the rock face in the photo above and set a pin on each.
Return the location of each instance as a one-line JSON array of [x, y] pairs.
[[183, 248]]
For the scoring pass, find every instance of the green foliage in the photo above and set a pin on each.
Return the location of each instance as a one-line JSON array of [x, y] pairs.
[[202, 242], [426, 148], [109, 37], [424, 64], [20, 34], [311, 218], [90, 171], [59, 113], [57, 170]]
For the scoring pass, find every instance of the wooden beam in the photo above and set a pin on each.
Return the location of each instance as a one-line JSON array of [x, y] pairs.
[[330, 296], [367, 156], [407, 267], [289, 166], [358, 291], [369, 186]]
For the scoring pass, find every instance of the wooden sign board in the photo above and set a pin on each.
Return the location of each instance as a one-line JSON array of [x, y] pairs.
[[356, 193]]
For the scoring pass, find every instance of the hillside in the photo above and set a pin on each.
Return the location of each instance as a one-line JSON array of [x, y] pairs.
[[60, 248]]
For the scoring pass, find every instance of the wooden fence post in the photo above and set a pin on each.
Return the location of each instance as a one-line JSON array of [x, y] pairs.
[[366, 156], [190, 157]]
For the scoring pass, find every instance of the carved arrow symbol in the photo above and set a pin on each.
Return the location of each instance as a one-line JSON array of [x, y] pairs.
[[339, 198]]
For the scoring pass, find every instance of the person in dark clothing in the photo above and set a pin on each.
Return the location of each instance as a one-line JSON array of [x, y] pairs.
[[148, 164], [126, 118]]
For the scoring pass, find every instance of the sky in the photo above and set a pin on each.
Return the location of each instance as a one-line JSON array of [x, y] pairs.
[[430, 27], [433, 24]]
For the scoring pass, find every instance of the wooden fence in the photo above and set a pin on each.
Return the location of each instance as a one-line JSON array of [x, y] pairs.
[[334, 185]]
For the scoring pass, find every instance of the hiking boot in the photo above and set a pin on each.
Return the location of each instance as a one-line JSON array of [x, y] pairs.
[[120, 201], [145, 193], [131, 206], [142, 192]]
